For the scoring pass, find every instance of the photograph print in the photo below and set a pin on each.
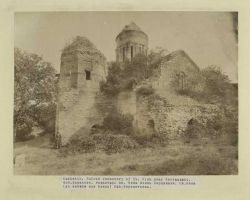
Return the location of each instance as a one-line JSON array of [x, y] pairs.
[[125, 93]]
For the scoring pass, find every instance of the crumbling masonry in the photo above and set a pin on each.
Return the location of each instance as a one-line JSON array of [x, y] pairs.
[[83, 67]]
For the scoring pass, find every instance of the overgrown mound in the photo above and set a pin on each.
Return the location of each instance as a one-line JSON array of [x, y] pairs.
[[221, 127], [114, 135], [210, 85], [124, 76], [109, 143]]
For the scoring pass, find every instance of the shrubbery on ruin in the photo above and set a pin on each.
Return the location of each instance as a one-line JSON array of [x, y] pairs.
[[145, 90], [118, 123], [210, 85], [124, 76], [222, 126]]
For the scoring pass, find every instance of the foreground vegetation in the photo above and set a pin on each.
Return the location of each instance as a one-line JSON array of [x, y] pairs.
[[35, 95], [176, 158], [113, 147]]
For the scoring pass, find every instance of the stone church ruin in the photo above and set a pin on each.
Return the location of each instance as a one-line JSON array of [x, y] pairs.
[[84, 67]]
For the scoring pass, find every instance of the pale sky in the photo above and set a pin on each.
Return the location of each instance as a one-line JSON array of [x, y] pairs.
[[207, 37]]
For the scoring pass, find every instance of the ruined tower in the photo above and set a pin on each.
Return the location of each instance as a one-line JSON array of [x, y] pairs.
[[130, 41], [83, 67]]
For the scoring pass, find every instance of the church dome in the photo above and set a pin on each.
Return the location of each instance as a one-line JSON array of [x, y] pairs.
[[132, 27], [130, 41]]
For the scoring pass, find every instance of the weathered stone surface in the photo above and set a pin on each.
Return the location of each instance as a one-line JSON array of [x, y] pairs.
[[83, 67], [174, 64], [80, 103], [172, 120]]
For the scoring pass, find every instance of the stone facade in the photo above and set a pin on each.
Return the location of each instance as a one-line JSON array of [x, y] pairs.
[[154, 115], [83, 67], [130, 41], [176, 65], [81, 105], [170, 120], [170, 112]]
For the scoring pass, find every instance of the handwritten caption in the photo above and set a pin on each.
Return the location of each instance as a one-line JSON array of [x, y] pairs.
[[125, 182]]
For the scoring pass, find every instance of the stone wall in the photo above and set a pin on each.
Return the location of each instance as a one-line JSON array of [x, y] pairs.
[[83, 67], [153, 114], [176, 65], [170, 120], [76, 111], [81, 105]]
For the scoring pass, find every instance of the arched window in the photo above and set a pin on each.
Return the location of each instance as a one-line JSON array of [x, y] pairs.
[[123, 53], [182, 80]]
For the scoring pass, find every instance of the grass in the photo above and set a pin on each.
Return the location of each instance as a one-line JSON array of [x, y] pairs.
[[176, 158]]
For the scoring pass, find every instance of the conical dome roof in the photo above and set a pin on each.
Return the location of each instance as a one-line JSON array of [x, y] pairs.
[[131, 27]]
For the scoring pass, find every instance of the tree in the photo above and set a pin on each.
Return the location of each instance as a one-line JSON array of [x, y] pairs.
[[210, 85], [157, 54], [217, 85], [35, 93], [122, 76]]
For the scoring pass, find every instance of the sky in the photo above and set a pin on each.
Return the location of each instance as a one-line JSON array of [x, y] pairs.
[[207, 37]]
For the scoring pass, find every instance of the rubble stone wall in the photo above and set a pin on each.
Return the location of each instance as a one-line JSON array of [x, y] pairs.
[[171, 120], [83, 67]]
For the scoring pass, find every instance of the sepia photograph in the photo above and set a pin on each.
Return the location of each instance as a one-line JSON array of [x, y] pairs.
[[125, 93]]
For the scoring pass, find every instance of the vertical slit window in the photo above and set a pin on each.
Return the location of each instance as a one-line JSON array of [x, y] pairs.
[[88, 75], [123, 53], [132, 53]]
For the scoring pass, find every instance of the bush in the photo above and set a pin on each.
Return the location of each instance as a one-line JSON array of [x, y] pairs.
[[112, 85], [46, 117], [118, 123], [194, 130], [209, 85], [223, 126], [123, 76], [110, 143], [145, 90], [23, 132]]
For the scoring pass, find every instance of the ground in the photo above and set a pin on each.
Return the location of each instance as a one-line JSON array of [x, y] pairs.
[[176, 158]]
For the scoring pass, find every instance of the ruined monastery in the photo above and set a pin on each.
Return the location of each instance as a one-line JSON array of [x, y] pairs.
[[82, 69]]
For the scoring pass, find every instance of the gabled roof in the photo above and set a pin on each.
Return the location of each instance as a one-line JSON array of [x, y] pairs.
[[179, 53]]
